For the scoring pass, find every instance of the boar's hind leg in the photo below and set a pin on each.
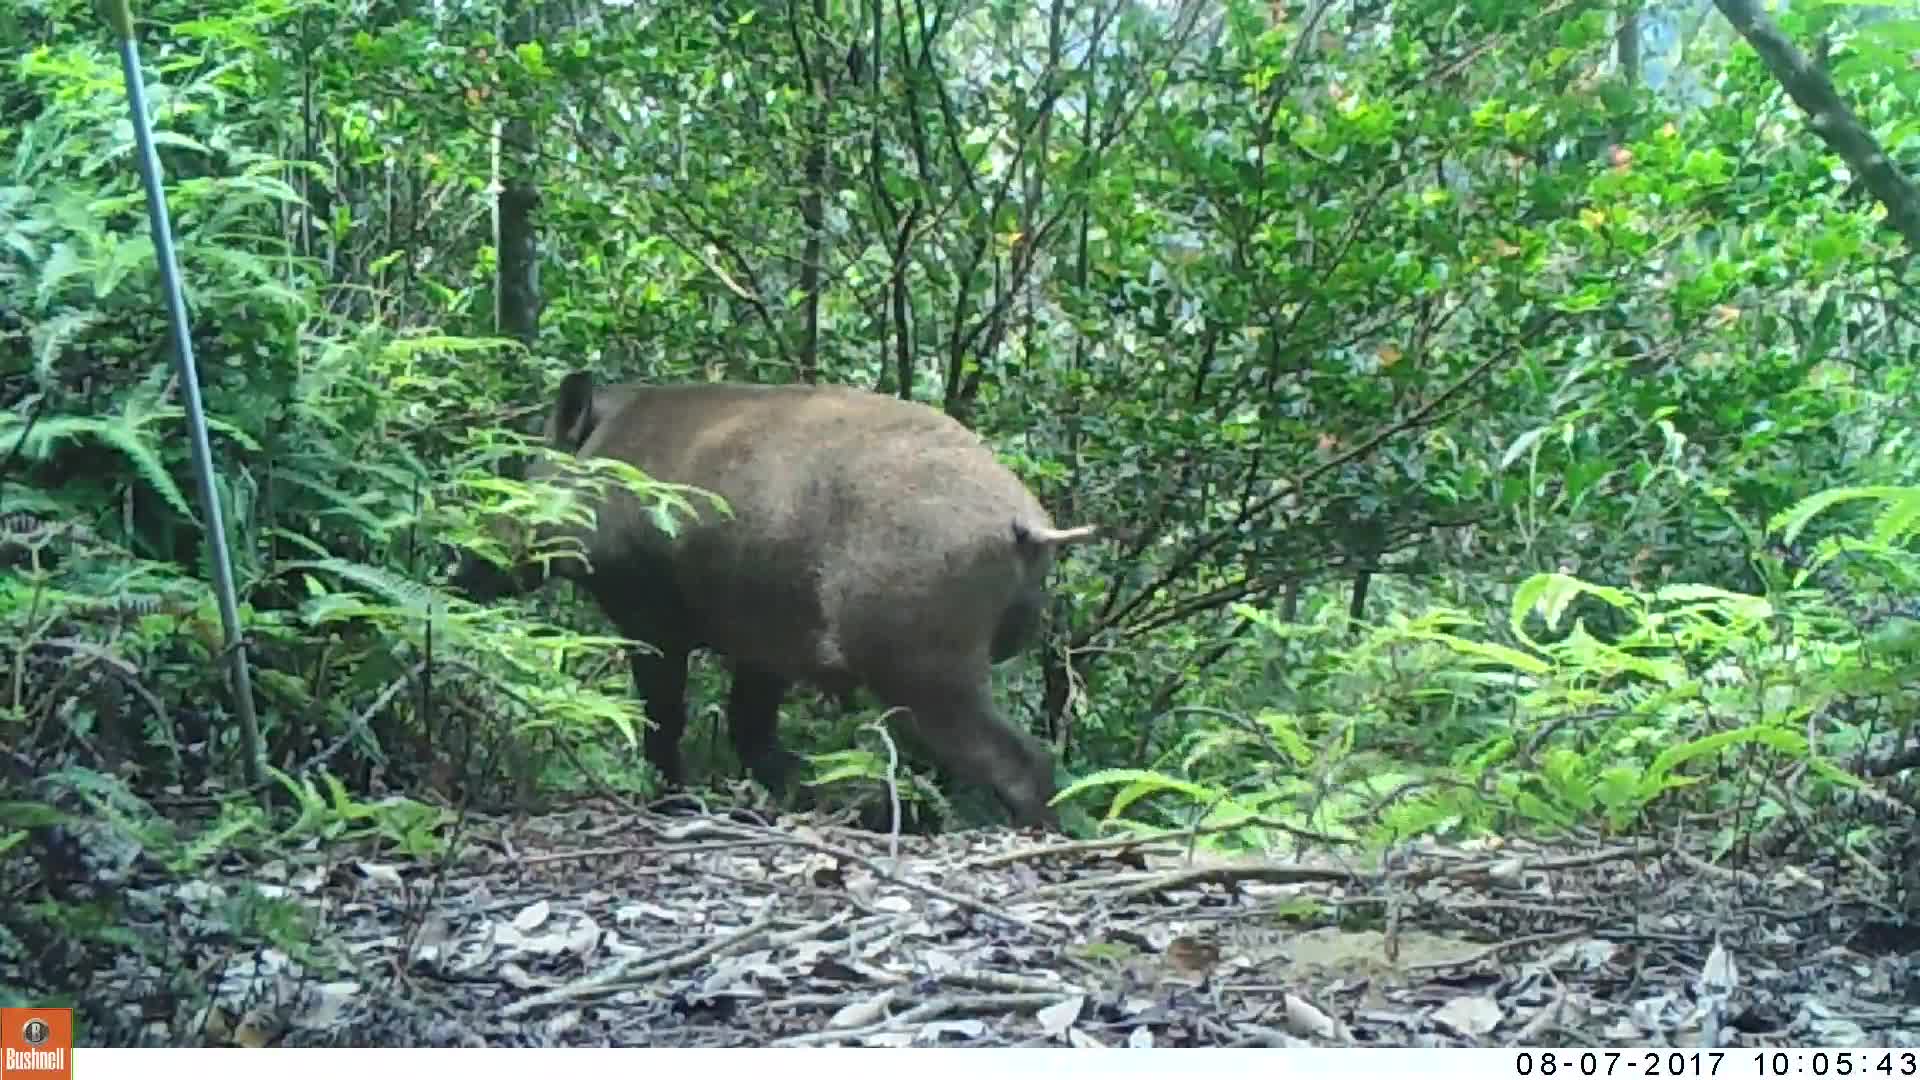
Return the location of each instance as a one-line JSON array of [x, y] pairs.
[[661, 680], [753, 715], [954, 716]]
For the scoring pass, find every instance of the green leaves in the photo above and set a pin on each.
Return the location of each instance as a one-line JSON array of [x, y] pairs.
[[1206, 290], [130, 433], [1898, 520], [1678, 699], [403, 827], [1549, 595]]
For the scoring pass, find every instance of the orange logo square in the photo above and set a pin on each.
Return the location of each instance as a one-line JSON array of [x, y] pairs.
[[36, 1044]]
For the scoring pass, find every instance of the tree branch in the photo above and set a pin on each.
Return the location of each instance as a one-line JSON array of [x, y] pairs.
[[1828, 115]]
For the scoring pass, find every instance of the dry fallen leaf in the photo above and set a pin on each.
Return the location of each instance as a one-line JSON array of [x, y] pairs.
[[434, 933], [862, 1013], [1192, 956], [1471, 1014], [1720, 975], [633, 911], [516, 976], [380, 874], [1305, 1019], [531, 916], [584, 938], [257, 1029], [1055, 1019], [561, 1022], [328, 1002], [218, 1025]]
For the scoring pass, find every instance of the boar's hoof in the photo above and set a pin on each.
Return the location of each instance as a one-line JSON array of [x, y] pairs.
[[774, 768]]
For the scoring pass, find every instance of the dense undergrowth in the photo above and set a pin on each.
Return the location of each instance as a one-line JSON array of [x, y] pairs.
[[1599, 395]]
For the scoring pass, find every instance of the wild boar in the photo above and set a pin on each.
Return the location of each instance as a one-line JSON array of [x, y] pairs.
[[872, 542]]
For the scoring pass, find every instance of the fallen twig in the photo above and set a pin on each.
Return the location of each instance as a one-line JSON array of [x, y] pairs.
[[631, 971]]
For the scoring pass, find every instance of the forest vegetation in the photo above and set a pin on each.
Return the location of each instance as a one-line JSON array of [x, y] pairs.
[[1500, 416]]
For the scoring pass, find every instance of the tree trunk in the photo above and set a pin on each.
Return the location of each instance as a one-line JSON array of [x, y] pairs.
[[517, 280], [813, 203], [1627, 45]]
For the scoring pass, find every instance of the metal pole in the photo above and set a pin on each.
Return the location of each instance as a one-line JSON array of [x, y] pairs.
[[121, 20]]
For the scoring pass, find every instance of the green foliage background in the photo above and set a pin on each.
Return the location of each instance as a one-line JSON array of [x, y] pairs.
[[1544, 353]]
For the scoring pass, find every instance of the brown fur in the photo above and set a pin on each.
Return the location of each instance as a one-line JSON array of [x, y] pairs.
[[873, 542]]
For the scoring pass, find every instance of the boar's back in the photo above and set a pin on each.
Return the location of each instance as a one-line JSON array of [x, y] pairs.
[[867, 532]]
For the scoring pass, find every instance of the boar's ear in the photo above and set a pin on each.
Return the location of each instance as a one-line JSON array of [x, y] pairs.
[[572, 420]]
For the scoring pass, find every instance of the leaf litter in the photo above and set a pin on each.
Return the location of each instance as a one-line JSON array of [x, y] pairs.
[[595, 927]]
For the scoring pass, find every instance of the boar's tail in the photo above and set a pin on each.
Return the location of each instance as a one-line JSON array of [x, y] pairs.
[[1027, 535]]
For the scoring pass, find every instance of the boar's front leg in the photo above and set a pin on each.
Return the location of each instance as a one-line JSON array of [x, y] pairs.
[[660, 677], [753, 717]]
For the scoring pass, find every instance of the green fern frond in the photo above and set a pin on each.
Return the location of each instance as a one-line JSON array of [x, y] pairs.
[[300, 540], [63, 263], [1791, 521], [240, 437], [148, 464], [45, 504], [338, 501], [117, 258], [1897, 524], [112, 431], [52, 335], [400, 476], [235, 821], [259, 278], [388, 585]]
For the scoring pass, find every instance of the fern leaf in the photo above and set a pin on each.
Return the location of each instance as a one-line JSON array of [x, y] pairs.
[[52, 336], [338, 502], [147, 463], [387, 584]]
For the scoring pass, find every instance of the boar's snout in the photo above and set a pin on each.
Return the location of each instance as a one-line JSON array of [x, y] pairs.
[[1029, 795], [1038, 814]]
